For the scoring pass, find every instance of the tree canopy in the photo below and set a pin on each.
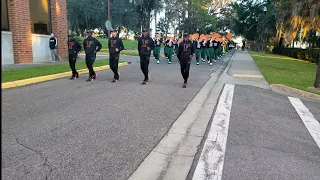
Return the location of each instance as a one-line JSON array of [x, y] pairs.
[[294, 19]]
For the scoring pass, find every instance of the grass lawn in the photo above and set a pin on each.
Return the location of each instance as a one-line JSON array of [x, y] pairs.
[[128, 44], [25, 73], [285, 70]]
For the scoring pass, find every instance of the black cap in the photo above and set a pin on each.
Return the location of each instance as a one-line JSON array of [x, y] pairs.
[[113, 30], [144, 30], [186, 35], [89, 32], [71, 35]]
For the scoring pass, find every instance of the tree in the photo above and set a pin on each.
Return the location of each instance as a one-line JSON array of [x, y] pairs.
[[195, 16], [162, 26], [81, 16]]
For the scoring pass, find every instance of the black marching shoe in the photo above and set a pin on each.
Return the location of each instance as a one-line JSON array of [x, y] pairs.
[[114, 81], [90, 79], [95, 76], [184, 85], [118, 75], [144, 83]]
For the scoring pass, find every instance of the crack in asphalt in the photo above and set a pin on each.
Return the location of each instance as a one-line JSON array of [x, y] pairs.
[[37, 152], [41, 155]]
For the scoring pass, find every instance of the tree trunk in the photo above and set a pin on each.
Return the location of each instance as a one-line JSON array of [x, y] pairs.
[[148, 22], [317, 81], [155, 22], [87, 23]]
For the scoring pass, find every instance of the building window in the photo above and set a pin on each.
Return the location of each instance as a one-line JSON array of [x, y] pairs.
[[4, 16], [40, 16]]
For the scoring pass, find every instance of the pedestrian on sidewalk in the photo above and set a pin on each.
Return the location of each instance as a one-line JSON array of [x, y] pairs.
[[115, 46], [156, 51], [73, 50], [197, 45], [90, 45], [53, 44], [185, 53], [145, 46]]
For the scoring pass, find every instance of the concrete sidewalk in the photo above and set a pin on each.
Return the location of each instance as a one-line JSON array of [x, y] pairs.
[[243, 68]]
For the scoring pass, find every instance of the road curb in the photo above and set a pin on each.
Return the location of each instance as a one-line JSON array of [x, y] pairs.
[[24, 82], [295, 91]]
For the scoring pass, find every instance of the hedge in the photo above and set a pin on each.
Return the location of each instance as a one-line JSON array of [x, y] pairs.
[[311, 55]]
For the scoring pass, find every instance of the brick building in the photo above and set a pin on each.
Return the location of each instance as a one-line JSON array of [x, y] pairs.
[[26, 26]]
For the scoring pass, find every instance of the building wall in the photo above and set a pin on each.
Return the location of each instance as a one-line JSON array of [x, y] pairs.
[[19, 24], [60, 25], [6, 48], [28, 47], [40, 48]]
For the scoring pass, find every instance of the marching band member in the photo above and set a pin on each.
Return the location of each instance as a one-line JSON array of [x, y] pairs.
[[209, 51], [170, 50], [203, 49], [156, 51], [185, 53], [197, 45], [215, 47]]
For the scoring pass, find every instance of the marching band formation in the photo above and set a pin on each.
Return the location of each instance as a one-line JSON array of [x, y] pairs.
[[209, 47]]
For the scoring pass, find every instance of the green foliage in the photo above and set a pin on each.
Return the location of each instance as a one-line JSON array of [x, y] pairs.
[[86, 14], [248, 19], [162, 26], [199, 18], [125, 14]]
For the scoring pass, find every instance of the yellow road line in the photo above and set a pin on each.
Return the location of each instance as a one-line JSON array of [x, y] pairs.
[[248, 75], [50, 77]]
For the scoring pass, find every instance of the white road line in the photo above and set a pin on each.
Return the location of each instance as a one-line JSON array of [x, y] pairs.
[[308, 119], [211, 161]]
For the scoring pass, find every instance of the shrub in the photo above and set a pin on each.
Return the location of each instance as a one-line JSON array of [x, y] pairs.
[[294, 53], [315, 55], [288, 51], [311, 55], [276, 50], [301, 54]]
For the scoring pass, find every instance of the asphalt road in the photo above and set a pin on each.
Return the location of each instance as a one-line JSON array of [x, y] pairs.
[[268, 140], [65, 129]]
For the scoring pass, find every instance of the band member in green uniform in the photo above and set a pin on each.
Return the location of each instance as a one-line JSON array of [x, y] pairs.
[[197, 45], [209, 51], [156, 51]]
